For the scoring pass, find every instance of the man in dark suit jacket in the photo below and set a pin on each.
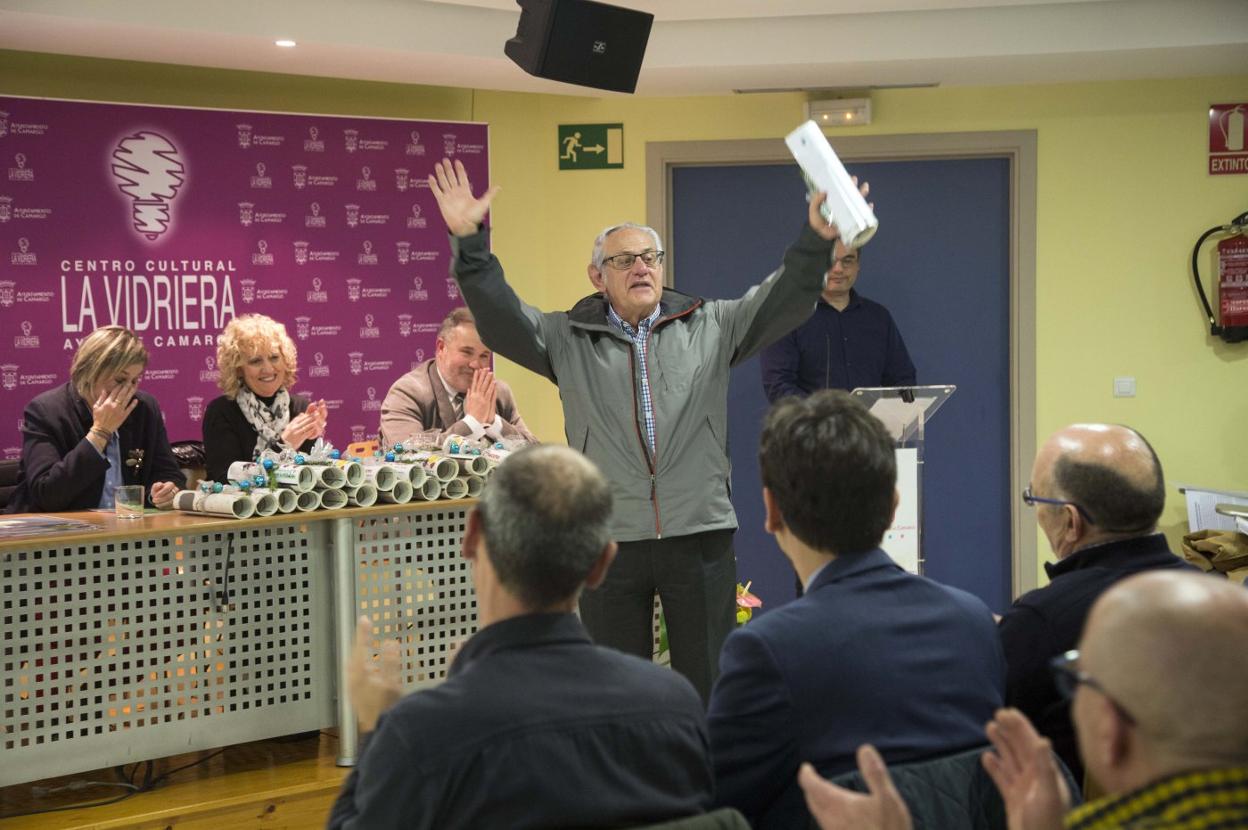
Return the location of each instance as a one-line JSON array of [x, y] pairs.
[[535, 726], [454, 393], [1098, 491], [870, 653], [61, 470]]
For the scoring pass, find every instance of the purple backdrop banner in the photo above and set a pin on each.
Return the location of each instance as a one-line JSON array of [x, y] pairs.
[[173, 221]]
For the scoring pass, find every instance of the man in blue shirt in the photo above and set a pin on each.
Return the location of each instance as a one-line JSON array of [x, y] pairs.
[[847, 343]]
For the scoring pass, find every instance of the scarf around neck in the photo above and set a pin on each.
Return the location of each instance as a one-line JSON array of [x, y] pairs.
[[268, 421]]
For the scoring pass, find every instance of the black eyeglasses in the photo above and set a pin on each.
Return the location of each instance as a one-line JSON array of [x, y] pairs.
[[1032, 500], [847, 261], [1067, 677], [622, 262]]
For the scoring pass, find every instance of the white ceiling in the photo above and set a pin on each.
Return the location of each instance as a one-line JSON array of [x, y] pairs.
[[696, 47]]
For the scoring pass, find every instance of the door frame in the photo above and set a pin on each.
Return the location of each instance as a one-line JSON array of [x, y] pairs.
[[1019, 148]]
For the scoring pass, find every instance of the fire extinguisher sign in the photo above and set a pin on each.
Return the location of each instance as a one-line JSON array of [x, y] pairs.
[[1228, 139]]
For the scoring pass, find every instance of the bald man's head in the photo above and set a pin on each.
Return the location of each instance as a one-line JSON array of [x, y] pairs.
[[1168, 646], [1110, 471]]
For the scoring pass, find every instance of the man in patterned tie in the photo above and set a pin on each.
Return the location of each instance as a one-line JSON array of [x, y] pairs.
[[454, 393]]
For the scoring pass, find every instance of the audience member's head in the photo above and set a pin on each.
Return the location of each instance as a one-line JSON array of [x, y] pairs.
[[540, 530], [1108, 483], [458, 351], [1166, 652], [829, 473], [107, 357]]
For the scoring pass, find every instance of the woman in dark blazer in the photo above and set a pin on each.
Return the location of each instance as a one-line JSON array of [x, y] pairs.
[[257, 363], [97, 432]]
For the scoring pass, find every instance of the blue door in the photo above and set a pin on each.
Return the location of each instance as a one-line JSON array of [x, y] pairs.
[[940, 263]]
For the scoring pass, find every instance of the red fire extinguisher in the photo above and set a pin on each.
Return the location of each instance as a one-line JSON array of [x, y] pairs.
[[1231, 323]]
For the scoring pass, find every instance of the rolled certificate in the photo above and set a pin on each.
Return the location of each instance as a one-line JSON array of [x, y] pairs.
[[474, 485], [381, 476], [415, 473], [844, 206], [307, 500], [456, 488], [472, 464], [234, 505], [363, 496], [296, 476], [245, 471], [329, 476], [401, 493], [429, 490], [287, 500], [266, 503], [351, 469], [438, 466], [333, 499]]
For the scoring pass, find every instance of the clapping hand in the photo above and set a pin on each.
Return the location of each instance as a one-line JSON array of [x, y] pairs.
[[306, 426], [836, 808], [1023, 769], [373, 686], [822, 226], [461, 211], [481, 399]]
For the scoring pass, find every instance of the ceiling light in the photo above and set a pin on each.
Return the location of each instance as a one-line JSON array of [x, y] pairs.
[[284, 43], [840, 112]]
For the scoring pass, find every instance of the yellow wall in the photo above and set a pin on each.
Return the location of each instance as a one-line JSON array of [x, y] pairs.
[[1122, 196]]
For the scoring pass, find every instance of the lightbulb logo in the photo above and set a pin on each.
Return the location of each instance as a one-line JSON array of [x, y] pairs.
[[367, 256], [366, 180], [417, 220], [313, 143], [21, 173], [414, 148], [149, 170], [208, 374]]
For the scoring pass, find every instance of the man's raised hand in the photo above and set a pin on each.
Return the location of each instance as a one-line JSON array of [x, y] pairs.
[[462, 212]]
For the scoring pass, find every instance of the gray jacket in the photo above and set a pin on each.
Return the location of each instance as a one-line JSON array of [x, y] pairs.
[[685, 487]]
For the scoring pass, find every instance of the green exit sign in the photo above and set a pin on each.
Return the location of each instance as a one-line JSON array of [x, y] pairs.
[[591, 146]]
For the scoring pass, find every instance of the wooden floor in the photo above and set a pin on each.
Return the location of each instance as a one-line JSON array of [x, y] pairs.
[[285, 784]]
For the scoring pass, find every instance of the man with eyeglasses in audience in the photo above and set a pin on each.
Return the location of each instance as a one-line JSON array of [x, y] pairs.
[[643, 374], [1157, 688], [849, 342], [1098, 491]]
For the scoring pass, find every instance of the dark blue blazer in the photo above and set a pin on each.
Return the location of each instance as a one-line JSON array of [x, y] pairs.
[[870, 653], [62, 471]]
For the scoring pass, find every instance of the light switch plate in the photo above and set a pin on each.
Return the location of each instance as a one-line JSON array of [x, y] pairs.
[[1124, 387]]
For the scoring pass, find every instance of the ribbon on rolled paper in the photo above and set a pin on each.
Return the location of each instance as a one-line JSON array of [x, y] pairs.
[[233, 505]]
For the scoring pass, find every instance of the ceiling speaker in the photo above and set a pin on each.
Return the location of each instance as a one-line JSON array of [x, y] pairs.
[[581, 42]]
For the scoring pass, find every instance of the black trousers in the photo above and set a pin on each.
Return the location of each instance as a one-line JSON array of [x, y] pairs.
[[695, 576]]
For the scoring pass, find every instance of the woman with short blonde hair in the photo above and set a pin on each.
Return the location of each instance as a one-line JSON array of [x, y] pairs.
[[85, 438], [257, 364]]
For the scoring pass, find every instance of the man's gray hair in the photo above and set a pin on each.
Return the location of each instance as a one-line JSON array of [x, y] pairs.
[[457, 317], [601, 242], [545, 516]]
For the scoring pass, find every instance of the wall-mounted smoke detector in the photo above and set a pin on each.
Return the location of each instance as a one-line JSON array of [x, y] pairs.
[[839, 112]]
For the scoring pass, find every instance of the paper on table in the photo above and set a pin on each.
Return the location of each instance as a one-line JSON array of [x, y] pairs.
[[1201, 504]]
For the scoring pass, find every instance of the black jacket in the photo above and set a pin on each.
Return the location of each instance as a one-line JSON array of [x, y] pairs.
[[61, 470], [228, 437], [1048, 621], [535, 727]]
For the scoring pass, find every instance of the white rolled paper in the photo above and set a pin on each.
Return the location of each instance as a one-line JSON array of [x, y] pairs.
[[429, 490], [363, 496], [352, 470], [474, 485], [415, 473], [438, 466], [844, 206], [456, 488], [266, 503], [308, 500], [333, 499], [234, 505], [287, 500], [297, 476], [329, 476], [471, 464], [381, 476], [245, 471], [401, 493]]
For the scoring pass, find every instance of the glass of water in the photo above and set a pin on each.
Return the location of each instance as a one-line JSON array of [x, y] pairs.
[[128, 501]]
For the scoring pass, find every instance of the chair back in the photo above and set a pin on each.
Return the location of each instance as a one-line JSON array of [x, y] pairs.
[[724, 818], [8, 481], [950, 791]]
